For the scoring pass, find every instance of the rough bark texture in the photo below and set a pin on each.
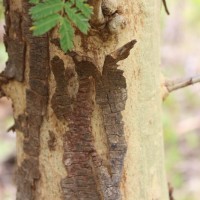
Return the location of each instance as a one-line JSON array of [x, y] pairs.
[[17, 39], [88, 124], [88, 176]]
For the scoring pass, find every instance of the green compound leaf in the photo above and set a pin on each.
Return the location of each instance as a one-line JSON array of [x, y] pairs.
[[85, 9], [77, 18], [45, 24], [34, 1], [66, 35], [46, 8], [47, 14]]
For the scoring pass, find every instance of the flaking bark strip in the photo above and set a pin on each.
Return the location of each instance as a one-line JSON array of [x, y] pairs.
[[27, 176], [112, 103], [15, 46], [78, 141], [15, 64], [28, 173], [61, 100], [111, 95], [88, 178]]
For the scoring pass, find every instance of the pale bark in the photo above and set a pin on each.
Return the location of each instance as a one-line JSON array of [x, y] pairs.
[[90, 132]]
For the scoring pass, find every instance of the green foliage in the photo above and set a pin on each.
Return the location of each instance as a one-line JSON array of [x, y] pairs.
[[1, 10], [62, 14], [77, 18], [46, 9], [43, 25], [66, 33], [34, 1]]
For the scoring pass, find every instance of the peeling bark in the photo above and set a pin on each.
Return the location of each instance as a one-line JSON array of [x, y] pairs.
[[88, 175], [82, 118], [18, 39]]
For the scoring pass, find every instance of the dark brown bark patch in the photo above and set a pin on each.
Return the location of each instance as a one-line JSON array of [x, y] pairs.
[[52, 141], [15, 64], [62, 100], [88, 178], [27, 176], [78, 147], [20, 43], [15, 45]]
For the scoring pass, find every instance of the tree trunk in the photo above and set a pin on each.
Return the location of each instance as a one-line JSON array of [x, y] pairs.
[[88, 124]]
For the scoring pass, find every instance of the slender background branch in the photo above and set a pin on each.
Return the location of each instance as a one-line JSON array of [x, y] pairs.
[[181, 83], [165, 6]]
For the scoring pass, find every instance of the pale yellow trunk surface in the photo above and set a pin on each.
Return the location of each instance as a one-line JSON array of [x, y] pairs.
[[143, 174]]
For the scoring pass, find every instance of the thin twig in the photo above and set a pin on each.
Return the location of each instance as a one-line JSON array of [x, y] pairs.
[[171, 189], [181, 83], [165, 6]]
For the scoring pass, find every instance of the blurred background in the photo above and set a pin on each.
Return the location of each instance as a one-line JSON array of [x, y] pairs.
[[180, 57]]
